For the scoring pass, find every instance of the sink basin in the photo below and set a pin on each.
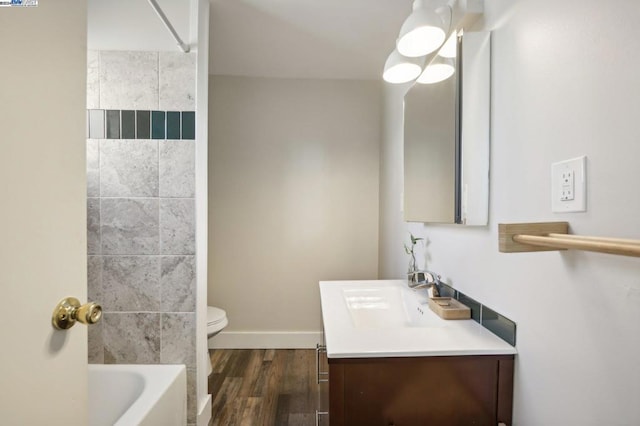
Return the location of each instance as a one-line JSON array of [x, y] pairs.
[[384, 318], [387, 307]]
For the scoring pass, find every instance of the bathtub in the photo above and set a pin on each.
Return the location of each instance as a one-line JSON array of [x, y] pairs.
[[129, 395]]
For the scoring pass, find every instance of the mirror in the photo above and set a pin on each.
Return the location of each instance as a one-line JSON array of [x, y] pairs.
[[446, 141]]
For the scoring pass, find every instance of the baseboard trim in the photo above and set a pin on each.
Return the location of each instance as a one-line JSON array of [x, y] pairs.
[[204, 416], [265, 340]]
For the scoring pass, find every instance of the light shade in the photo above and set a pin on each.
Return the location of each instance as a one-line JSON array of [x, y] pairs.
[[400, 69], [422, 32], [438, 70], [450, 47]]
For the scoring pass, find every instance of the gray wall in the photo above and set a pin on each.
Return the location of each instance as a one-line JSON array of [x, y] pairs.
[[564, 83], [141, 221], [293, 199]]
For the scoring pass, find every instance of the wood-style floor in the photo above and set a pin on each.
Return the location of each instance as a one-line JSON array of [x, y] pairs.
[[266, 387]]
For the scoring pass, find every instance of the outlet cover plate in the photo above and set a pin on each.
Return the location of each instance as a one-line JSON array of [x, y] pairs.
[[576, 169]]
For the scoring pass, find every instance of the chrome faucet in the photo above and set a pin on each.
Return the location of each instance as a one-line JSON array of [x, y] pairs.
[[422, 279]]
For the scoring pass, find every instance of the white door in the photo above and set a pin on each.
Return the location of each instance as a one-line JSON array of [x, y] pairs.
[[43, 373]]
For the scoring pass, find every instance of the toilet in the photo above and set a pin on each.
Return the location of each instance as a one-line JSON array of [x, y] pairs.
[[216, 322]]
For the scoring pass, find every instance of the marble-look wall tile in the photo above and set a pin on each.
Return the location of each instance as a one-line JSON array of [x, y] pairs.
[[93, 168], [128, 80], [177, 75], [131, 338], [95, 352], [129, 226], [177, 168], [131, 283], [94, 294], [178, 283], [93, 79], [178, 343], [154, 296], [128, 168], [192, 396], [93, 225], [94, 279], [177, 226]]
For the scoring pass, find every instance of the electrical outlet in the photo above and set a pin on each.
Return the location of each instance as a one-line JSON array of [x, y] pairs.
[[569, 185]]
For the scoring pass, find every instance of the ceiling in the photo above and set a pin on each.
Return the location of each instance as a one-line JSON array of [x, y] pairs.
[[344, 39], [133, 24]]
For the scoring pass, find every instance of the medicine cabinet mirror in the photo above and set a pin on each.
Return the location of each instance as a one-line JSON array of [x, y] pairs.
[[446, 141]]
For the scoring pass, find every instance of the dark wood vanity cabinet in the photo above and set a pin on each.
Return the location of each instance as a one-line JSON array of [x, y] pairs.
[[421, 391]]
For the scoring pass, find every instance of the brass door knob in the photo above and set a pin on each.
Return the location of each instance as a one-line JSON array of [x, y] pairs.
[[69, 310]]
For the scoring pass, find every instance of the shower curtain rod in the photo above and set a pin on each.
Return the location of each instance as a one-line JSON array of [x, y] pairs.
[[184, 47]]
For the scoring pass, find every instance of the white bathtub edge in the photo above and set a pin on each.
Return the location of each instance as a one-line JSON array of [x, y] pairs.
[[159, 388]]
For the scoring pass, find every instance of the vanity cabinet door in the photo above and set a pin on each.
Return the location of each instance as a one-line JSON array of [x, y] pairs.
[[416, 391]]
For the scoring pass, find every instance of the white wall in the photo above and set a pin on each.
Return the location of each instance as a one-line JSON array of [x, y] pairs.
[[293, 199], [564, 83]]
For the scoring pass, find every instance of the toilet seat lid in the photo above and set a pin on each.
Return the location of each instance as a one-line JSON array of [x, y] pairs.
[[215, 315]]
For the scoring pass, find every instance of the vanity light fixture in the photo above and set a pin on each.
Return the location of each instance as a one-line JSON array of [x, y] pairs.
[[423, 33], [401, 69], [424, 30], [443, 65], [449, 48], [438, 70]]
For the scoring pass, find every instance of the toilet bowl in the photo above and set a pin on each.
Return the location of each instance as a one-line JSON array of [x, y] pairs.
[[216, 322]]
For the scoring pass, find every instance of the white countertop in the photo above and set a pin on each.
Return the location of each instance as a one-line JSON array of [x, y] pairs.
[[384, 318]]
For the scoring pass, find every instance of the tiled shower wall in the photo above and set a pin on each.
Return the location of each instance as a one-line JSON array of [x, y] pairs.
[[141, 217]]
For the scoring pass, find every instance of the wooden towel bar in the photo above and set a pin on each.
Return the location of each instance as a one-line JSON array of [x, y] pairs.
[[546, 236]]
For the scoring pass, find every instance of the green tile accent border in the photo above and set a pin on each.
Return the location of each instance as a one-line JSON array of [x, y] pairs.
[[188, 125], [173, 125], [113, 124], [143, 124], [158, 124], [130, 124]]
